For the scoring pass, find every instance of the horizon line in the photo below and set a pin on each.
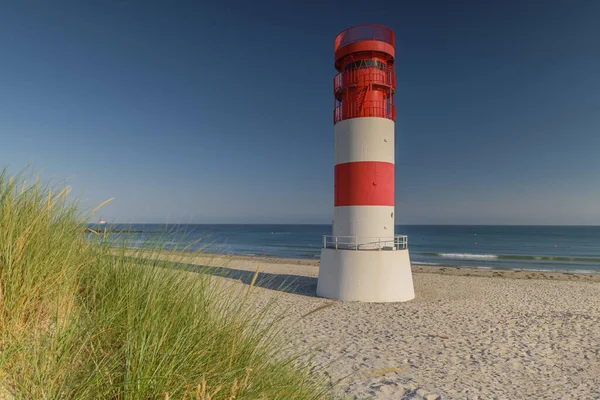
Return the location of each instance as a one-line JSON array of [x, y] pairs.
[[308, 224]]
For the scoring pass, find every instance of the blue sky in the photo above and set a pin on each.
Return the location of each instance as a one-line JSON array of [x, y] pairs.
[[212, 112]]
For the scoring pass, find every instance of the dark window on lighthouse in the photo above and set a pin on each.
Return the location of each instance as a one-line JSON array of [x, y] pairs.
[[366, 64]]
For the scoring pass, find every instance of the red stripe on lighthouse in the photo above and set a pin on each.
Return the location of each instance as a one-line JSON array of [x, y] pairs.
[[364, 183]]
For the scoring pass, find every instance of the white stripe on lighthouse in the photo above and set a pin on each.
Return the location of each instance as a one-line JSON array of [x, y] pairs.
[[364, 221], [364, 139]]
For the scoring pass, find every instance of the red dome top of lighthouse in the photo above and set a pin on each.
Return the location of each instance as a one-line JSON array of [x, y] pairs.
[[365, 83], [363, 40]]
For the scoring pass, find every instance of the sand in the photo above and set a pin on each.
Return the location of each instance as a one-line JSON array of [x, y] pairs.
[[469, 334]]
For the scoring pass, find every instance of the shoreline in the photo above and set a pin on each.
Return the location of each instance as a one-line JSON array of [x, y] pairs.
[[560, 275]]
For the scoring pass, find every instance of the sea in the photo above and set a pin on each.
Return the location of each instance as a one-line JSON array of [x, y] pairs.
[[574, 249]]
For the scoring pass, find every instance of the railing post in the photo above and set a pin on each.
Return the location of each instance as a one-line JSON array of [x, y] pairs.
[[324, 241], [336, 242]]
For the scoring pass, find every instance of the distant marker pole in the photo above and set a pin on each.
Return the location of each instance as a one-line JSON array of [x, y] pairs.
[[363, 259]]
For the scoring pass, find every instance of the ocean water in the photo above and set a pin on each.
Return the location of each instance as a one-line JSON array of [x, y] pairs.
[[564, 248]]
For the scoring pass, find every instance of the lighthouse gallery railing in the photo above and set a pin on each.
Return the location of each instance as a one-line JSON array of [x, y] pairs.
[[399, 242]]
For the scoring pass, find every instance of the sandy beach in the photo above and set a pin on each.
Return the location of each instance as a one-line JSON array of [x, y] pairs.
[[469, 334]]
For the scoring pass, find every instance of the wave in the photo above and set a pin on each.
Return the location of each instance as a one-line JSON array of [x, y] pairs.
[[521, 257], [549, 258], [583, 271], [467, 256]]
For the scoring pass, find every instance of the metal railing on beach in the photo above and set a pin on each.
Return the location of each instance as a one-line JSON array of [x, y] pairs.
[[399, 242]]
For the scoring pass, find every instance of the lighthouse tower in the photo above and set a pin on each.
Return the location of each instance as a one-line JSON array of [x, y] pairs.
[[363, 259]]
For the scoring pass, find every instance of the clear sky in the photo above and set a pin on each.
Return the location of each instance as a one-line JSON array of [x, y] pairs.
[[221, 111]]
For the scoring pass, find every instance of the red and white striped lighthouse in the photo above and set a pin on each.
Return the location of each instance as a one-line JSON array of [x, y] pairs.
[[363, 259]]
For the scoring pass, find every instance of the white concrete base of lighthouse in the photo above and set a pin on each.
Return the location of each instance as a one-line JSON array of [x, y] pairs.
[[368, 276]]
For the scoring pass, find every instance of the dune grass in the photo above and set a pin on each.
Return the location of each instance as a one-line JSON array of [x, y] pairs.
[[79, 320]]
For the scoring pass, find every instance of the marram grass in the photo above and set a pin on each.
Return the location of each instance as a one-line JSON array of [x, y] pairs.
[[79, 320]]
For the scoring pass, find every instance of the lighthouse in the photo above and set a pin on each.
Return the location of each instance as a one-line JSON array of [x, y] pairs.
[[363, 259]]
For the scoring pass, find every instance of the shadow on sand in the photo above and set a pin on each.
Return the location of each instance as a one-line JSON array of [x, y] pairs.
[[296, 284], [301, 285]]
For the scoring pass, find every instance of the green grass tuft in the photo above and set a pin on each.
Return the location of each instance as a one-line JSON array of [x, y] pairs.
[[81, 320]]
